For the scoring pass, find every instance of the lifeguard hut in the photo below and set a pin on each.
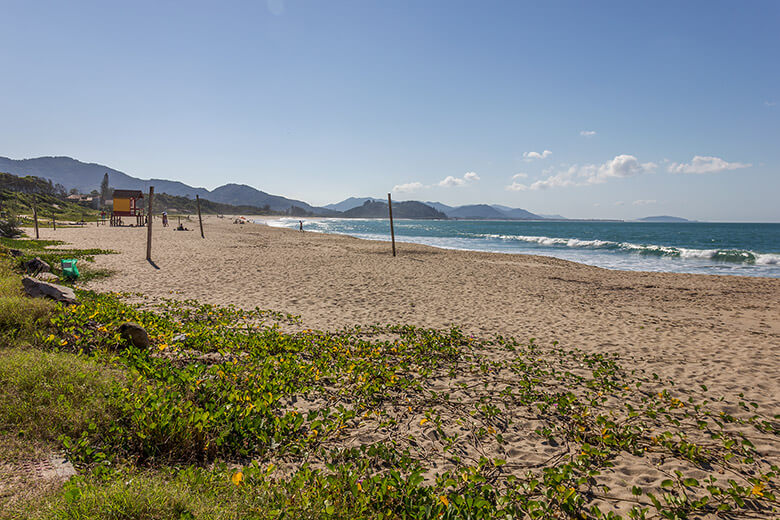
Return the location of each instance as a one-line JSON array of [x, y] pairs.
[[126, 205]]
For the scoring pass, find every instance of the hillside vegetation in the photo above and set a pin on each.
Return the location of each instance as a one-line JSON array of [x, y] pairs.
[[18, 194]]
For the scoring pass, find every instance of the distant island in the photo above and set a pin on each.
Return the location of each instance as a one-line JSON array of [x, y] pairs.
[[663, 218], [409, 209]]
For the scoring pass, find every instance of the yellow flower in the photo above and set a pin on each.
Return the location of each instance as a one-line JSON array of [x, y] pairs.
[[163, 346], [444, 500], [237, 478], [757, 490], [423, 421], [360, 488], [63, 343]]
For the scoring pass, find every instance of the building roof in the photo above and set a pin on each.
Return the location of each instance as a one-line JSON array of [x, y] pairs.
[[128, 194]]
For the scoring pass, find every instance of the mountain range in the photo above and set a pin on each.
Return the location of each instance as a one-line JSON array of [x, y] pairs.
[[86, 177]]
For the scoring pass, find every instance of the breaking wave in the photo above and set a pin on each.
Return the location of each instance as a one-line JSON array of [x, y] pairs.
[[721, 255]]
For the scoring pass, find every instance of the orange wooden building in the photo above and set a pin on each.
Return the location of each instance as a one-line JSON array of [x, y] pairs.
[[126, 204]]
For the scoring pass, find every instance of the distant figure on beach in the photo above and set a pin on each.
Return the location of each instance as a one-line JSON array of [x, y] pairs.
[[165, 218], [300, 222]]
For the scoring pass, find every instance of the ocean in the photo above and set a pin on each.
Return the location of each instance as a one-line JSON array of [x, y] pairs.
[[690, 247]]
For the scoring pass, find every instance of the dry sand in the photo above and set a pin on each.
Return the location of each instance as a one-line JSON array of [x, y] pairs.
[[722, 331], [718, 331]]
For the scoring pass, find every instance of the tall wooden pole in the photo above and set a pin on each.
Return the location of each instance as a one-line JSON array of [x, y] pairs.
[[392, 229], [54, 222], [35, 218], [149, 226], [200, 219]]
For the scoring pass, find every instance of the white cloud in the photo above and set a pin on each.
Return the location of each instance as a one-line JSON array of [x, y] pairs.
[[620, 166], [451, 182], [770, 103], [644, 202], [408, 187], [619, 203], [530, 156], [520, 176], [516, 186], [703, 164], [587, 133]]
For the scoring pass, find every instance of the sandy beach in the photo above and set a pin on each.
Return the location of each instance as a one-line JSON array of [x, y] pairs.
[[711, 337], [721, 331]]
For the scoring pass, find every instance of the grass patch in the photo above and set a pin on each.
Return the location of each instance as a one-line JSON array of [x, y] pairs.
[[44, 395], [42, 249], [20, 317]]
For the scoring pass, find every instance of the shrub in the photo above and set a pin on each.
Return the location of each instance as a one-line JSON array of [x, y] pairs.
[[10, 226]]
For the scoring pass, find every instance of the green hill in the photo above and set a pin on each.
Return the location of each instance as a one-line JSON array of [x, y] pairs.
[[17, 195]]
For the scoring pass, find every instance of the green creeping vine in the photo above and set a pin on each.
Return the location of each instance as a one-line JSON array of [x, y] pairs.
[[401, 422]]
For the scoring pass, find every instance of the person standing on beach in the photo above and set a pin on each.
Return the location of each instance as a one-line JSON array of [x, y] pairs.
[[300, 222], [165, 218]]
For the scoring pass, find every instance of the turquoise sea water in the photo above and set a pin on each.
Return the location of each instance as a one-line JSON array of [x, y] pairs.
[[691, 247]]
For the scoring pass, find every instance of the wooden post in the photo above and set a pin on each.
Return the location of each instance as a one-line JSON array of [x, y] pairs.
[[53, 222], [200, 219], [392, 229], [35, 218], [149, 226]]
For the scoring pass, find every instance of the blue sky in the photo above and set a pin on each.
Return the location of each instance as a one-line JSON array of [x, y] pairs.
[[587, 109]]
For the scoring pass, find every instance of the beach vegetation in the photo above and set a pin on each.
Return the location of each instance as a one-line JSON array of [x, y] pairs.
[[10, 225], [244, 413]]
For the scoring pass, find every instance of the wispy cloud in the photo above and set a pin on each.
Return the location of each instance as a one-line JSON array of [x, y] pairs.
[[620, 166], [530, 156], [642, 202], [770, 103], [451, 182], [704, 164], [587, 133], [409, 187], [619, 203], [520, 176]]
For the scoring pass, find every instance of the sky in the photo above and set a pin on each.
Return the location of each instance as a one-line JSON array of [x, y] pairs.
[[585, 109]]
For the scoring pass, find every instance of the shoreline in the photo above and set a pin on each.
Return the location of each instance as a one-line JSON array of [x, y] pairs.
[[684, 253], [717, 330]]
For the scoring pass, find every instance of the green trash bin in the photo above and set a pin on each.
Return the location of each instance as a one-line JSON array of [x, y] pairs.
[[69, 269]]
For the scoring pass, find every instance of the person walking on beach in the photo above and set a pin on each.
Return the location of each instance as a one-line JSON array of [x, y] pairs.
[[165, 218], [300, 222]]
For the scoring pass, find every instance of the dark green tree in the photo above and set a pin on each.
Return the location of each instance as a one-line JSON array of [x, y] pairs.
[[105, 191]]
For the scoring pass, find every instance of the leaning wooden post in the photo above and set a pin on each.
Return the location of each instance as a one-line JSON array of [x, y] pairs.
[[200, 219], [149, 226], [53, 222], [392, 229], [35, 218]]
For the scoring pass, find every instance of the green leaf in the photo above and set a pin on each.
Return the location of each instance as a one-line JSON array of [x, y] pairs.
[[667, 483]]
